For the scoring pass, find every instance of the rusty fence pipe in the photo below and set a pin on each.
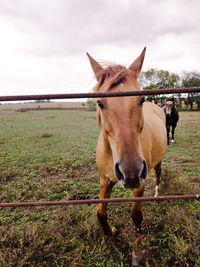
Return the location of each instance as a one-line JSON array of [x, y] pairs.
[[96, 201], [97, 95]]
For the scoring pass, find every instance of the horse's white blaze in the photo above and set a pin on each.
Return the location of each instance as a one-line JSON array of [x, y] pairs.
[[156, 191]]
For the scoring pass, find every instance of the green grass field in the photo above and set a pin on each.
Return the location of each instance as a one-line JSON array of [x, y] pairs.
[[50, 155]]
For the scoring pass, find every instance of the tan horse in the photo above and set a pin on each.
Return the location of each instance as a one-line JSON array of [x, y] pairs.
[[132, 138]]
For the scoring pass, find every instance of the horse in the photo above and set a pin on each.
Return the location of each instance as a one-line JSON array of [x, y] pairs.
[[132, 139], [172, 118]]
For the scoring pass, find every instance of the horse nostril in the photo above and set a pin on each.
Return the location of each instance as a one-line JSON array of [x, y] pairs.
[[144, 171], [118, 172]]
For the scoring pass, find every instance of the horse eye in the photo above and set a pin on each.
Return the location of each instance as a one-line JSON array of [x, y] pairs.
[[100, 104], [142, 100]]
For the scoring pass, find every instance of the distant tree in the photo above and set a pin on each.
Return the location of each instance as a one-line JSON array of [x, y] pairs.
[[42, 101], [156, 79], [149, 79], [168, 79], [191, 79]]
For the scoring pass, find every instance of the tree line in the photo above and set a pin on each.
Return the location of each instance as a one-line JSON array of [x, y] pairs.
[[153, 79]]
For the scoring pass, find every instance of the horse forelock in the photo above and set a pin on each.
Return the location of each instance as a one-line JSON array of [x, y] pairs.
[[117, 74]]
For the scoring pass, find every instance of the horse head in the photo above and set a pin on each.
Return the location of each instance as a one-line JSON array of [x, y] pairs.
[[121, 119], [168, 107]]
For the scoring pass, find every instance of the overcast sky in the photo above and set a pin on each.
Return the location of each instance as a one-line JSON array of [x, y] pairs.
[[43, 43]]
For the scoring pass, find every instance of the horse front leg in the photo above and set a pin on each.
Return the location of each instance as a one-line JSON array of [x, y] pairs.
[[158, 171], [173, 130], [137, 216], [168, 133], [105, 191]]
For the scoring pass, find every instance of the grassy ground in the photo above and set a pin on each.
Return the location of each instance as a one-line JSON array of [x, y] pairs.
[[50, 155]]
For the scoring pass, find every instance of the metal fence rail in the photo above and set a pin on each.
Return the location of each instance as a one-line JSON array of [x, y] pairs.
[[96, 201], [96, 95]]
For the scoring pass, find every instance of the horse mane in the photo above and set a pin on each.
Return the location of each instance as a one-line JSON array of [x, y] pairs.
[[117, 73]]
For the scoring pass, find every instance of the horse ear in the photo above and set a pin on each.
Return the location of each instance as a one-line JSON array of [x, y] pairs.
[[97, 68], [136, 66]]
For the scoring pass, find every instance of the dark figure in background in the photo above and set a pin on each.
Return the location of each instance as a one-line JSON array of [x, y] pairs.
[[172, 118]]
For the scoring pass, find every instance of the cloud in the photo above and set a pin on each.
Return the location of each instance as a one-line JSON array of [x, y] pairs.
[[52, 36], [61, 27]]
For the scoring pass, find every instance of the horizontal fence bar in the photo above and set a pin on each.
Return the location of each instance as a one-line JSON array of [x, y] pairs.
[[96, 201], [97, 95]]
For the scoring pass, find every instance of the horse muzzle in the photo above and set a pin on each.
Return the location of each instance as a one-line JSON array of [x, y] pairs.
[[133, 176]]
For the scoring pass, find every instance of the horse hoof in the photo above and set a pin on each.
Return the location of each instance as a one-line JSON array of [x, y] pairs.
[[137, 258], [114, 231], [156, 191]]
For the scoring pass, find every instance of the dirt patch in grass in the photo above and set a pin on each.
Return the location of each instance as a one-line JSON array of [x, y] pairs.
[[22, 110], [46, 135], [2, 141], [8, 176]]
